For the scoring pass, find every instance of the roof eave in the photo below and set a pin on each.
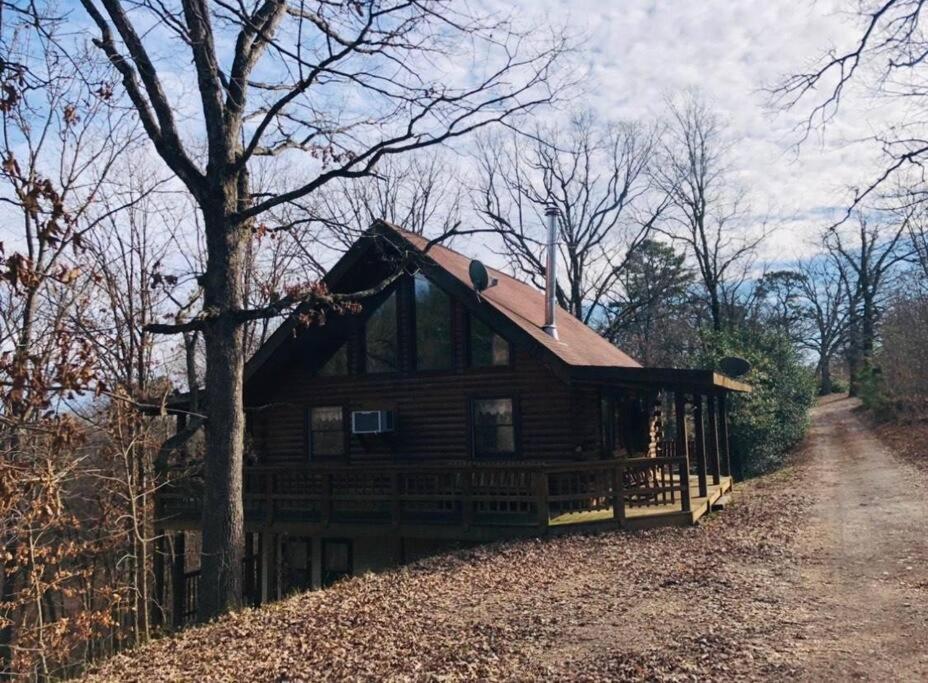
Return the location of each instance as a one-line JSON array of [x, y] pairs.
[[686, 378]]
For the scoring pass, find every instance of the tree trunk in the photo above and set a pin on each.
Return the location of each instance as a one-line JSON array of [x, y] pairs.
[[825, 376], [715, 308], [220, 587]]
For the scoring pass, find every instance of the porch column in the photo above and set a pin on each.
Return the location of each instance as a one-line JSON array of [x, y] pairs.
[[700, 437], [266, 546], [713, 446], [157, 607], [178, 585], [682, 447], [724, 446]]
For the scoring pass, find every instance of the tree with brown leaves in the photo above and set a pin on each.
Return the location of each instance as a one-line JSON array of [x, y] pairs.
[[339, 86]]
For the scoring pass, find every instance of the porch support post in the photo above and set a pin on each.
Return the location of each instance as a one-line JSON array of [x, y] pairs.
[[713, 447], [178, 585], [724, 445], [249, 589], [266, 548], [700, 437], [618, 493], [157, 608], [682, 447]]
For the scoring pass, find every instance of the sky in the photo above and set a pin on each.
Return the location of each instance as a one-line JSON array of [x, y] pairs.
[[638, 52]]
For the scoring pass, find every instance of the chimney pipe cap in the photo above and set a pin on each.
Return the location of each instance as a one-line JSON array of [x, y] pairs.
[[551, 210]]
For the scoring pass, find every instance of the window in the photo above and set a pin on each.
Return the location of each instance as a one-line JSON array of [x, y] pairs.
[[494, 427], [433, 326], [326, 432], [336, 560], [487, 349], [337, 365], [380, 337]]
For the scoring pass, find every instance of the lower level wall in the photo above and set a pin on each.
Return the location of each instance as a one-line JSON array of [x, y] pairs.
[[291, 563]]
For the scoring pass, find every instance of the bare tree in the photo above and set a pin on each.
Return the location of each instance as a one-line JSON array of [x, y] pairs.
[[345, 83], [708, 213], [421, 193], [597, 177], [867, 257], [918, 238], [778, 297], [886, 59], [824, 304]]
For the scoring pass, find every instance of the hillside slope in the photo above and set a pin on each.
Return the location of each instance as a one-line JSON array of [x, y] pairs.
[[764, 590]]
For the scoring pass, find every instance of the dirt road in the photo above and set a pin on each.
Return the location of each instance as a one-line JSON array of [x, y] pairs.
[[866, 550], [818, 572]]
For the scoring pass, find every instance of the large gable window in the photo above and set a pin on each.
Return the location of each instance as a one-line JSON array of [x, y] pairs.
[[494, 427], [381, 339], [487, 349], [433, 326]]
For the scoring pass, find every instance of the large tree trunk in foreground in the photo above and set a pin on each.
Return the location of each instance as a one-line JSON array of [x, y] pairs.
[[223, 519]]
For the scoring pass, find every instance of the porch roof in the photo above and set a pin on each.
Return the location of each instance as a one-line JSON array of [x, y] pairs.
[[707, 381]]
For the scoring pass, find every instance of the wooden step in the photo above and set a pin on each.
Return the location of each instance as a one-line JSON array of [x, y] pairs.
[[721, 502]]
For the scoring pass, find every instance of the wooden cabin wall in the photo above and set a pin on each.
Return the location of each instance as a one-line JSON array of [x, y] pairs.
[[431, 411], [554, 421]]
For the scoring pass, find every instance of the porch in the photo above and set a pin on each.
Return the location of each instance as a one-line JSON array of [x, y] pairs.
[[474, 501]]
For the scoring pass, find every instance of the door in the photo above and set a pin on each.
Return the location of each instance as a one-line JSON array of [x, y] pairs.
[[337, 561]]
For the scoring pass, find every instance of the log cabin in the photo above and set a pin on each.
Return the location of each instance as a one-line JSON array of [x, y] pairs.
[[444, 414]]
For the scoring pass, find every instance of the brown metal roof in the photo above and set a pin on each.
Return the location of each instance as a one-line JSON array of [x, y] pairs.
[[524, 305]]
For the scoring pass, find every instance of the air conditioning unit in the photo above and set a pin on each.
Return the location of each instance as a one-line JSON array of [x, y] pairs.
[[371, 421]]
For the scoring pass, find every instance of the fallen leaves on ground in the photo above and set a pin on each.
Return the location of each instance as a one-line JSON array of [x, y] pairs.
[[664, 605]]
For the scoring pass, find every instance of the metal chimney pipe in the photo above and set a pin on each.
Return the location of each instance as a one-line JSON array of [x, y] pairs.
[[550, 326]]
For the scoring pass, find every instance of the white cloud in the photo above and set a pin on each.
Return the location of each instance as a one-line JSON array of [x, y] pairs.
[[639, 51]]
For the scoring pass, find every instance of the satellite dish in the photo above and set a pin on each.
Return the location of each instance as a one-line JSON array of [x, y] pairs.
[[480, 276], [733, 366]]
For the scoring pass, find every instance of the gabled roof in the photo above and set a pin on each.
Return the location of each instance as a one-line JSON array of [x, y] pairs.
[[524, 305], [517, 309]]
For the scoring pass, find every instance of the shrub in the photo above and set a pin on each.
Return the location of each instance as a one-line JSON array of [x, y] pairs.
[[838, 385], [896, 386], [767, 423]]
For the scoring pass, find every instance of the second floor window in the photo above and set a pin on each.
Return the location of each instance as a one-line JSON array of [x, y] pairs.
[[433, 326], [326, 432], [382, 354]]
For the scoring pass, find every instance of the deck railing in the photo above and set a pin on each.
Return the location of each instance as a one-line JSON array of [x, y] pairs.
[[187, 595], [471, 494]]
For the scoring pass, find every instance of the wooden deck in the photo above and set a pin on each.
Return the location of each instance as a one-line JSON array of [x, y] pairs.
[[653, 516], [472, 501]]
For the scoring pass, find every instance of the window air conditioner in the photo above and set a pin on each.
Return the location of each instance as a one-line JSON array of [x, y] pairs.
[[371, 421]]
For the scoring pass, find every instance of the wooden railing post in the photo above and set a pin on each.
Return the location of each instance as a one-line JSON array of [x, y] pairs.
[[724, 446], [541, 498], [178, 583], [327, 498], [467, 497], [700, 454], [682, 447], [269, 498], [395, 505], [158, 606], [618, 493], [685, 504]]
